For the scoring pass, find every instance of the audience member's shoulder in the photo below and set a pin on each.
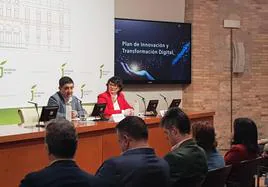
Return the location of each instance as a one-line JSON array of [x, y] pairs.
[[92, 180], [163, 162], [172, 156], [30, 179], [238, 147], [113, 160]]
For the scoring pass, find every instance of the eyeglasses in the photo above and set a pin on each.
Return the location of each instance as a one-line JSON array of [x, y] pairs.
[[113, 85]]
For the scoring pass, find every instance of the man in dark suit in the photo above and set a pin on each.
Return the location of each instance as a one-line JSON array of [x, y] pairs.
[[61, 144], [187, 161], [138, 166]]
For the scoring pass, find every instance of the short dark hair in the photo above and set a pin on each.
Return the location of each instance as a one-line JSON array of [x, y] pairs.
[[175, 117], [134, 126], [61, 138], [65, 80], [117, 81], [204, 135], [245, 132]]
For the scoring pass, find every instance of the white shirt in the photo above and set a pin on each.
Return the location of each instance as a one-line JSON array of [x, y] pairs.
[[116, 105]]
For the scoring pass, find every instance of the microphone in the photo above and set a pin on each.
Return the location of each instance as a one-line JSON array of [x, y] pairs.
[[38, 116], [143, 100], [80, 101], [164, 99], [140, 97], [31, 102]]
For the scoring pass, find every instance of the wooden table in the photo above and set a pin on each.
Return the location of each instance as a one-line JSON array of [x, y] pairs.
[[22, 150]]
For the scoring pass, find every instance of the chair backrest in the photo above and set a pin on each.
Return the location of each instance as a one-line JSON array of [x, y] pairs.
[[217, 177], [189, 182], [28, 115], [150, 180], [242, 174]]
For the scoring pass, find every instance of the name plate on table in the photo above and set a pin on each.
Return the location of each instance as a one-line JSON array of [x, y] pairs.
[[117, 117]]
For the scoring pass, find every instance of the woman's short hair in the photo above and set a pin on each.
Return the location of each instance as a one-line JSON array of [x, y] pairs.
[[204, 135], [117, 81], [245, 132]]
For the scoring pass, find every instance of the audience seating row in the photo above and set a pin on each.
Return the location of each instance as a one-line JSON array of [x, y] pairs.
[[239, 175]]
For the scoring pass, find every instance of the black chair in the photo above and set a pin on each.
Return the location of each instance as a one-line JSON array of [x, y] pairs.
[[189, 182], [217, 177], [242, 174], [262, 170]]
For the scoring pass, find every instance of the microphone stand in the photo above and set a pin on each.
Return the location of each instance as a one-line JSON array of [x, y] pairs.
[[165, 100], [83, 112], [144, 104], [38, 116]]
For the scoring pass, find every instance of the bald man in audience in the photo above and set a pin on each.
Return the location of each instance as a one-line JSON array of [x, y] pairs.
[[138, 165]]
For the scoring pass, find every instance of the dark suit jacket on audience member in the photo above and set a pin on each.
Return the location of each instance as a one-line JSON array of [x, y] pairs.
[[64, 173], [136, 168], [187, 162]]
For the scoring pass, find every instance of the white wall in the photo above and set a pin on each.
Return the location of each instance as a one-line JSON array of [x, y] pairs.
[[51, 39], [159, 10]]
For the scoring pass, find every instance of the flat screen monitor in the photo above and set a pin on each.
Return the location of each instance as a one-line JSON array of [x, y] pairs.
[[98, 109], [152, 105], [175, 103], [152, 51], [48, 113]]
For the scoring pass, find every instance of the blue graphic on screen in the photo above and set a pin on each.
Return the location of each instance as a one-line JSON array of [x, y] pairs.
[[159, 52]]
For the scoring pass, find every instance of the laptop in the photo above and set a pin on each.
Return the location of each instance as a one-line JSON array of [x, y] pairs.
[[151, 108], [98, 111], [48, 113], [175, 103]]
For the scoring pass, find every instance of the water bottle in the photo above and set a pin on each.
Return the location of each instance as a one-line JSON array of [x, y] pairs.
[[68, 111]]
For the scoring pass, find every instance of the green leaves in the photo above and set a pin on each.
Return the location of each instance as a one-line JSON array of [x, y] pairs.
[[34, 86], [3, 62], [101, 66], [63, 65], [83, 85]]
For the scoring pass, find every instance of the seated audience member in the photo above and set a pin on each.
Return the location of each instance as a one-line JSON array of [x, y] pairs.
[[187, 160], [114, 98], [138, 166], [244, 142], [65, 96], [204, 135], [61, 144]]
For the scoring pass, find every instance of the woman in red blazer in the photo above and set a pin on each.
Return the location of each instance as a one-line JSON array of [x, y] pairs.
[[245, 142], [114, 98]]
